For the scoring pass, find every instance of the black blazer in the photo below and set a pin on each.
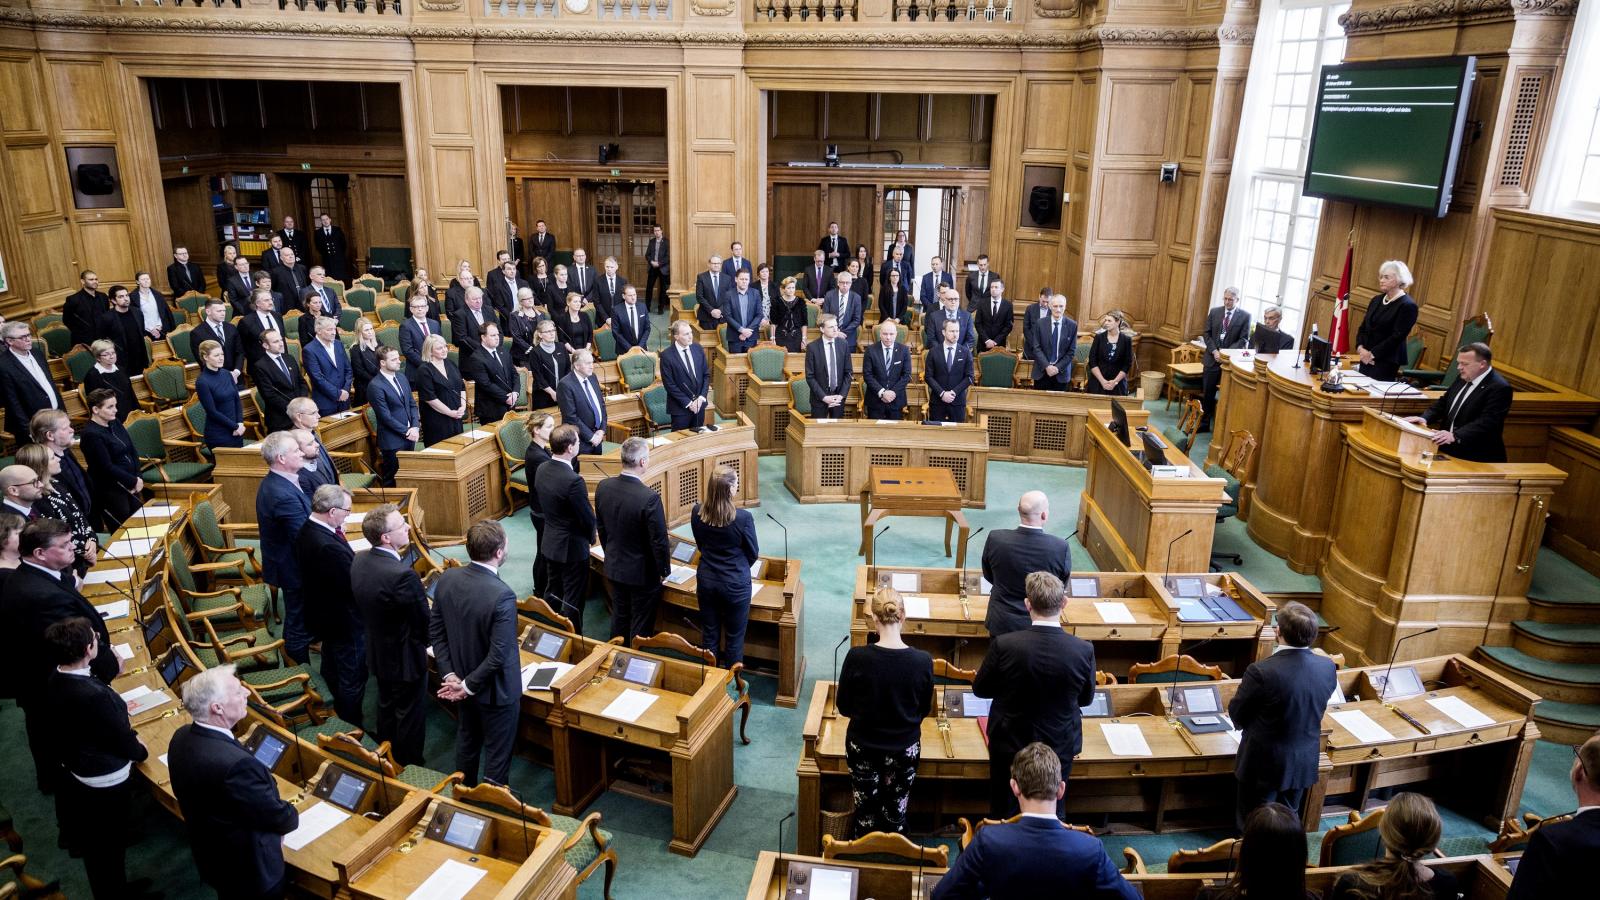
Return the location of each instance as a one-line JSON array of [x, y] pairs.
[[363, 368], [605, 301], [941, 377], [817, 369], [708, 296], [548, 370], [1558, 858], [113, 466], [117, 382], [895, 376], [1266, 340], [978, 294], [542, 245], [633, 530], [324, 560], [80, 313], [1279, 708], [238, 292], [492, 380], [389, 597], [231, 809], [184, 278], [89, 727], [474, 633], [75, 482], [894, 304], [250, 331], [23, 396], [1039, 678], [1236, 336], [569, 522], [232, 344], [1480, 421], [1384, 329], [30, 602], [276, 390], [1009, 556], [290, 282], [500, 294], [465, 332], [1110, 364], [579, 333]]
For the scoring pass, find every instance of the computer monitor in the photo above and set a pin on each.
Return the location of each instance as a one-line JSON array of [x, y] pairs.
[[1119, 423], [267, 748], [682, 552], [1320, 354], [1155, 449]]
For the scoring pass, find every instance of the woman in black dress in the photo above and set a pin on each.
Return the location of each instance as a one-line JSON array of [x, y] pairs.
[[1111, 356], [10, 537], [864, 273], [104, 374], [522, 327], [768, 289], [114, 484], [573, 325], [539, 425], [422, 287], [56, 503], [363, 361], [1272, 859], [885, 689], [728, 548], [541, 282], [894, 300], [788, 319], [1381, 340], [556, 291], [441, 394], [310, 312], [1410, 832], [230, 252]]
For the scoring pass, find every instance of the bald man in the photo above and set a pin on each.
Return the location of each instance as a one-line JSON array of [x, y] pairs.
[[19, 488], [1009, 556]]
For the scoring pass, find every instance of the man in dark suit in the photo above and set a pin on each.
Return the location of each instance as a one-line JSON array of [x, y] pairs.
[[948, 371], [549, 362], [581, 275], [395, 409], [81, 311], [686, 377], [828, 372], [949, 310], [123, 325], [1034, 856], [281, 511], [1031, 317], [1279, 708], [1009, 556], [183, 276], [633, 531], [467, 323], [230, 804], [52, 428], [1039, 679], [455, 294], [658, 256], [608, 291], [24, 377], [1267, 338], [278, 380], [503, 288], [253, 327], [295, 239], [323, 554], [1470, 418], [33, 598], [319, 287], [886, 370], [630, 322], [414, 331], [1052, 344], [216, 327], [844, 304], [581, 402], [474, 633], [542, 242], [327, 365], [818, 279], [394, 612], [835, 247], [332, 248], [933, 284], [903, 252], [1561, 856], [493, 377], [741, 308], [1227, 328], [995, 317], [290, 279], [978, 281], [708, 290], [736, 262], [270, 260], [240, 287], [569, 524]]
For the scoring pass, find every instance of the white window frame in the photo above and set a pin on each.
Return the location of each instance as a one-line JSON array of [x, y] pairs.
[[1572, 153]]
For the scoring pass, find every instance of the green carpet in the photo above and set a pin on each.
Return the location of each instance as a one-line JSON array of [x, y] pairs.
[[823, 538]]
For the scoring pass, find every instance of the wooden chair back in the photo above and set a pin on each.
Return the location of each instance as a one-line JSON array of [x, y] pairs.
[[1218, 857], [1187, 353], [949, 673], [675, 646], [1356, 841], [886, 847], [496, 797], [542, 612], [1186, 667], [1241, 454], [969, 830], [1102, 679]]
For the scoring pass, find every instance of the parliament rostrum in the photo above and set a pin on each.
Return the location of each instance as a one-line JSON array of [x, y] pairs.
[[682, 461], [828, 460]]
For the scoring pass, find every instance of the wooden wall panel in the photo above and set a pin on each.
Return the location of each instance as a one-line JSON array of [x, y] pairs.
[[952, 129], [380, 202], [108, 248], [714, 177], [20, 109], [898, 121], [974, 238], [81, 97], [1541, 278], [1049, 109], [795, 115], [1137, 124], [37, 180], [50, 259], [795, 211], [849, 118], [1127, 206], [1123, 281], [712, 98], [189, 218], [550, 199], [852, 206], [593, 110], [1035, 261]]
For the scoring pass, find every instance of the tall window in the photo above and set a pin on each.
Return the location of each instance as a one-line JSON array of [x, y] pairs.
[[896, 215], [1569, 177], [607, 222], [323, 199], [1270, 229]]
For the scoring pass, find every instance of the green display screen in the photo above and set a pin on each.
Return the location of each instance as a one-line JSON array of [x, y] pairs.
[[1389, 133]]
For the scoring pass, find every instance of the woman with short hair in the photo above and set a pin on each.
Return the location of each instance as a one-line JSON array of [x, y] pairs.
[[441, 393], [1381, 339], [105, 374], [219, 397], [1111, 356], [115, 485]]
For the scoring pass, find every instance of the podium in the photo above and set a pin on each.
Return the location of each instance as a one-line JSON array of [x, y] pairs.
[[458, 481], [682, 461], [828, 459], [1421, 541]]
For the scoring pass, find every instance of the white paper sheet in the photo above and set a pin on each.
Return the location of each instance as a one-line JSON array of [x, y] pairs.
[[130, 547], [116, 609], [1114, 613], [123, 651], [106, 576], [830, 884], [359, 544], [163, 758], [533, 669], [680, 574], [1361, 725], [315, 821], [451, 881], [660, 441], [340, 415], [159, 510], [1337, 697], [1125, 740], [598, 551], [916, 607], [1460, 710], [434, 450], [147, 701], [905, 581], [478, 434], [629, 705], [1234, 733], [984, 586]]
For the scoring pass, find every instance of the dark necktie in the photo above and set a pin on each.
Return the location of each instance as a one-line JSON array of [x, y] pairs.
[[343, 539], [1456, 406], [829, 348], [688, 363], [284, 365], [949, 357], [1055, 339], [633, 319], [1227, 316]]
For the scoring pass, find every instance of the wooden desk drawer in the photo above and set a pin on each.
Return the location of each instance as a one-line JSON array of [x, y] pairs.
[[1135, 632]]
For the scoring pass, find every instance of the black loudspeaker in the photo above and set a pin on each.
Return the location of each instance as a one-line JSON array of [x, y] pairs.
[[95, 179], [1042, 204]]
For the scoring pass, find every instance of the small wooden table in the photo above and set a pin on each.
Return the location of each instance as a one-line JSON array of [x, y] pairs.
[[912, 491], [1187, 370]]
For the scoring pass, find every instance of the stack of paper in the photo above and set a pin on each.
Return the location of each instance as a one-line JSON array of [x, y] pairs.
[[141, 699], [629, 705], [905, 581], [916, 607], [1125, 740], [1114, 613], [1361, 725], [122, 651], [116, 609], [478, 434], [315, 821], [130, 547], [451, 881], [158, 510], [107, 576], [1460, 710], [680, 574]]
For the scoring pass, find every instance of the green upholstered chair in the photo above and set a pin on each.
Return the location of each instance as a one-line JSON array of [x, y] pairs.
[[391, 311], [586, 846], [79, 362], [766, 362], [1173, 668], [1354, 842], [371, 282], [674, 646], [447, 331], [948, 673], [997, 368], [181, 342], [543, 614], [250, 603], [155, 457], [400, 291], [1180, 386], [389, 335], [293, 349], [812, 312], [356, 748], [637, 368], [513, 438], [800, 396], [1219, 857], [57, 340], [194, 304], [45, 320], [363, 298], [216, 545], [348, 317], [654, 401], [194, 418], [1182, 434], [167, 384], [688, 301], [1477, 329], [336, 286], [605, 343]]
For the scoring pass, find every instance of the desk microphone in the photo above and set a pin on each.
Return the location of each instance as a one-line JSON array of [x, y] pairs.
[[1383, 691], [781, 823], [785, 539], [962, 584], [875, 541], [1168, 569], [1383, 401], [1306, 356], [836, 657], [522, 813], [1178, 725]]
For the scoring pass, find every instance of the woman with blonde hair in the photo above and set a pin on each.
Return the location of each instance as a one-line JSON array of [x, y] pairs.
[[105, 374], [55, 503], [441, 394], [728, 548], [1410, 832], [363, 361], [885, 688], [1111, 356]]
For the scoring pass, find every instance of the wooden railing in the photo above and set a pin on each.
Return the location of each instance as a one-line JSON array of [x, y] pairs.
[[603, 10], [925, 11]]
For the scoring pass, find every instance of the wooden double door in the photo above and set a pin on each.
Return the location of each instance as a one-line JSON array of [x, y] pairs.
[[606, 217]]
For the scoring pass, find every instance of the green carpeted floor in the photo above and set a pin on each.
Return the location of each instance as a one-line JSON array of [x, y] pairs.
[[824, 538]]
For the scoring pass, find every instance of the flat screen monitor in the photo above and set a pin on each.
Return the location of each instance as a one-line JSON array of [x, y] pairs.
[[546, 644], [1119, 423], [173, 667], [636, 669], [154, 627], [682, 552], [1320, 354], [1099, 707], [268, 748], [1155, 449], [459, 828], [962, 703], [1401, 681], [1082, 586], [347, 790]]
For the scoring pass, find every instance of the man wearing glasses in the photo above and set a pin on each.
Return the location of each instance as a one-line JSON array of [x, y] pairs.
[[324, 555], [25, 385], [19, 488]]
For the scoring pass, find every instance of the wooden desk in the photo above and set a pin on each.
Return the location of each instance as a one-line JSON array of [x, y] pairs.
[[239, 470], [458, 480], [882, 881], [767, 402], [682, 461], [1131, 521], [685, 738], [1026, 425], [829, 459], [912, 491]]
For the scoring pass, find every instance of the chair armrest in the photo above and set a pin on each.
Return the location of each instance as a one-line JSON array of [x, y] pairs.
[[236, 564], [205, 615], [258, 652], [301, 677]]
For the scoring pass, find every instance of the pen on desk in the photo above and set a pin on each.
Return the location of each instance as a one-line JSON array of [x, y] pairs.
[[1408, 717]]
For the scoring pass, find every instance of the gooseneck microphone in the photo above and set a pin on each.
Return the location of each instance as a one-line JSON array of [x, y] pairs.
[[1167, 571], [785, 535]]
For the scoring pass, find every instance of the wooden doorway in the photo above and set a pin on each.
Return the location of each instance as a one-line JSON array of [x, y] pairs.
[[617, 217]]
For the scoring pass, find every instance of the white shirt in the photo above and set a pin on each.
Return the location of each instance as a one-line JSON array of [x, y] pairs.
[[1053, 623], [217, 728], [147, 306], [52, 574], [31, 366], [389, 550], [493, 569], [327, 525]]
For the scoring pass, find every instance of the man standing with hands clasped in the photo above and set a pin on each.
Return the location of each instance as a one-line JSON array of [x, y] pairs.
[[633, 531]]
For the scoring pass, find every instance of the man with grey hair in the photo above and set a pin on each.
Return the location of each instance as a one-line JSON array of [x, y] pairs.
[[229, 802], [1227, 328], [1267, 338], [581, 402], [633, 531], [319, 287], [324, 556], [1010, 556], [24, 378], [468, 322], [281, 511], [327, 365]]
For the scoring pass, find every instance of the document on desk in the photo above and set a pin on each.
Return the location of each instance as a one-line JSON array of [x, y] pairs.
[[130, 547], [451, 881], [1463, 712], [628, 706], [116, 609], [141, 699], [917, 607], [160, 510], [542, 675], [1114, 613], [107, 576], [359, 544], [122, 651], [434, 450], [1125, 740], [157, 530], [1361, 725], [680, 574], [315, 821], [478, 434], [905, 581]]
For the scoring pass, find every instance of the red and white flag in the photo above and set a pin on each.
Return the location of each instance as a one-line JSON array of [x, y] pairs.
[[1341, 308]]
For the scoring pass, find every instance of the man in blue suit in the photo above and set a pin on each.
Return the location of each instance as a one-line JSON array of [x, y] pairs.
[[1279, 708], [281, 510], [327, 364], [581, 402], [933, 285], [630, 322], [1560, 855], [886, 366], [948, 371], [686, 377], [413, 331], [395, 409], [949, 310], [319, 287], [844, 304], [1034, 856], [1052, 345], [736, 263], [742, 308]]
